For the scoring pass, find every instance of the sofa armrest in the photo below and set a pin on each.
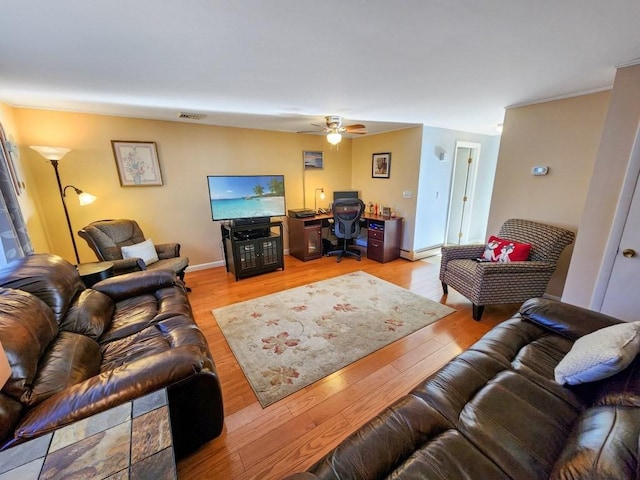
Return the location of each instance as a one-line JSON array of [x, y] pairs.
[[509, 268], [112, 388], [127, 265], [136, 283], [565, 319], [459, 252], [168, 250]]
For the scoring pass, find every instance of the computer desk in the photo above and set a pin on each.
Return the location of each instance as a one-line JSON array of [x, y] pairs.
[[384, 236]]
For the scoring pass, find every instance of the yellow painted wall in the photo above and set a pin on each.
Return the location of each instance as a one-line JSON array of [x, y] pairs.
[[405, 148], [563, 135], [178, 210]]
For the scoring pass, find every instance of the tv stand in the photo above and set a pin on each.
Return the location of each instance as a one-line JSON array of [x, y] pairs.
[[252, 248]]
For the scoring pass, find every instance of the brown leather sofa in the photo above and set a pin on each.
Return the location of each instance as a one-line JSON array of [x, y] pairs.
[[496, 412], [75, 352]]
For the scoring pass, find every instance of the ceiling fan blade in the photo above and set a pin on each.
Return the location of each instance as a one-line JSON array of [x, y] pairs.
[[357, 128], [311, 131]]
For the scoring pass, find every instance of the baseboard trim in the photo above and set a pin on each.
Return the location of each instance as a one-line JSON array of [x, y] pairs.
[[414, 255]]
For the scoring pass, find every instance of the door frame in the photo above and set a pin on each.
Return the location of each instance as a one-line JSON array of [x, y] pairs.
[[631, 178], [466, 221]]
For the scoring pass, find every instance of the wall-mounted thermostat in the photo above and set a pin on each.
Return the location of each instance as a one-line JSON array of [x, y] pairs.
[[539, 170]]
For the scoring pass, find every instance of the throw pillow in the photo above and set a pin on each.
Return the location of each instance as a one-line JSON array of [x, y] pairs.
[[599, 354], [145, 250], [501, 250]]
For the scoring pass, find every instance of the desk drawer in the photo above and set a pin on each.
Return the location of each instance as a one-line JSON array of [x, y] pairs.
[[377, 234], [375, 250]]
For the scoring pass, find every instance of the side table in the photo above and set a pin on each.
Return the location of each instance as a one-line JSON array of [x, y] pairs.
[[92, 273], [130, 441]]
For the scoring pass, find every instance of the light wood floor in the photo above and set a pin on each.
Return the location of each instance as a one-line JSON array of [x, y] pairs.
[[294, 433]]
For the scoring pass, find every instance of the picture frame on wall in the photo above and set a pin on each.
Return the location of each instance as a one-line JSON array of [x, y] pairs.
[[313, 160], [137, 163], [381, 165]]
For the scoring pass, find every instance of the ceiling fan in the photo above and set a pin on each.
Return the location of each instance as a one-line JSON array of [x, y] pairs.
[[334, 129]]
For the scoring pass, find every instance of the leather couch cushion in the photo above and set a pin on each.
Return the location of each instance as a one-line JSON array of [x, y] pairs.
[[622, 389], [90, 314], [10, 413], [70, 359], [27, 326], [137, 313], [603, 444], [50, 278], [156, 338]]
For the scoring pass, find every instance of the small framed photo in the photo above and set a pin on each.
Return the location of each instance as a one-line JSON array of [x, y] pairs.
[[137, 163], [313, 160], [381, 165]]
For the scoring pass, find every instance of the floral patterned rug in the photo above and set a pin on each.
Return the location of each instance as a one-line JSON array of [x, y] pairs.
[[288, 340]]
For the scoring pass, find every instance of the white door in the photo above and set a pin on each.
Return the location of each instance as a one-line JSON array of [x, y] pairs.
[[464, 176], [621, 297]]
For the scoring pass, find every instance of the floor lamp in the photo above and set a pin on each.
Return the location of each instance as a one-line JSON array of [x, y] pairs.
[[54, 155]]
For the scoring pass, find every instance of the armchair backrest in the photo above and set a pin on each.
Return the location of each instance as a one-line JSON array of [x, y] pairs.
[[106, 237], [547, 242], [346, 215]]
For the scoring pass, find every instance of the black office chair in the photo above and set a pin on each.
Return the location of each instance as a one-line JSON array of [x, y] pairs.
[[346, 215]]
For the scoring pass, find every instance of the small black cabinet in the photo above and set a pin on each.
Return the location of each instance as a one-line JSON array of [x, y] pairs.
[[252, 249]]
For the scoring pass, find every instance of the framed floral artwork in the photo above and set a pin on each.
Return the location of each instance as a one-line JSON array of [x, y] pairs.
[[137, 163]]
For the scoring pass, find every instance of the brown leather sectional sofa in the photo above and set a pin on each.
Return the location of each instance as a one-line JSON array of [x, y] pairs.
[[495, 412], [76, 351]]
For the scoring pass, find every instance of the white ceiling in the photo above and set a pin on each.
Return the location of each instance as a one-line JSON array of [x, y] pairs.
[[283, 64]]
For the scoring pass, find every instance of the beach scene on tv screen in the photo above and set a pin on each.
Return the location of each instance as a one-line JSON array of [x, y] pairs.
[[245, 197]]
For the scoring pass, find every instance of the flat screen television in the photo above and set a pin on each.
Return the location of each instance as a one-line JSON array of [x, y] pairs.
[[235, 197]]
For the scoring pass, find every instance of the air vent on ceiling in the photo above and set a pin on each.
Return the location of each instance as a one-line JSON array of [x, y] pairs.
[[191, 116]]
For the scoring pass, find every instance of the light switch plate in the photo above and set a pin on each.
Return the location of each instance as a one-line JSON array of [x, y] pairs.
[[406, 194]]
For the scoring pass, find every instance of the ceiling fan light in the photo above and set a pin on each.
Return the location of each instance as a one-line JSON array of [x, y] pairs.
[[334, 138]]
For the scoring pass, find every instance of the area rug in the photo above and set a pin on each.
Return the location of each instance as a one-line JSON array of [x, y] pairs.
[[288, 340]]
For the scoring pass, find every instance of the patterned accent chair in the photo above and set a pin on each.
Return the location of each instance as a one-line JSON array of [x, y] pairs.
[[107, 237], [488, 283]]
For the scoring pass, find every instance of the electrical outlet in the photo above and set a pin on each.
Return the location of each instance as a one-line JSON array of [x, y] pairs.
[[407, 194]]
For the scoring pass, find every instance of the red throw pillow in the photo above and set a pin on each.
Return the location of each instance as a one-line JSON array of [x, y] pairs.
[[501, 250]]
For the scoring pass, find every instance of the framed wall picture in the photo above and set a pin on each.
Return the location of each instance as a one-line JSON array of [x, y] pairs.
[[381, 165], [137, 163], [313, 160]]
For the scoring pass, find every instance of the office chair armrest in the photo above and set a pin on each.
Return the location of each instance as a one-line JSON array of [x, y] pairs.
[[459, 252], [128, 265], [168, 250], [508, 268]]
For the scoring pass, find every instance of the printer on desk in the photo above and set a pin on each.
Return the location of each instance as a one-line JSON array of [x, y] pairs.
[[301, 213]]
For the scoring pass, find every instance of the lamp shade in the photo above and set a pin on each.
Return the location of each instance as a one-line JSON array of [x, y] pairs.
[[51, 153], [5, 368], [86, 198], [334, 138]]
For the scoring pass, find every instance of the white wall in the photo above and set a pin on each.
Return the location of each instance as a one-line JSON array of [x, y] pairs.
[[435, 184]]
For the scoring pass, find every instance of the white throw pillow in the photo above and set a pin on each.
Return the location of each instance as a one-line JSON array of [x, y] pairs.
[[600, 354], [145, 250]]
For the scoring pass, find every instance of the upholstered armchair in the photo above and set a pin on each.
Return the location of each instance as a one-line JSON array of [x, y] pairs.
[[492, 283], [107, 237]]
